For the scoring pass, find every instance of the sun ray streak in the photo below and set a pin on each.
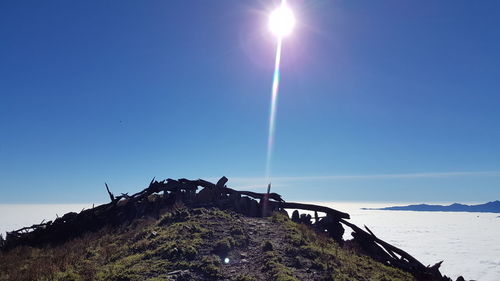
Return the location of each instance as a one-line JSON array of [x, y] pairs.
[[272, 115]]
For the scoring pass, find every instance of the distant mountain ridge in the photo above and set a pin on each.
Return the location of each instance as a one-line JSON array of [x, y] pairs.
[[490, 207]]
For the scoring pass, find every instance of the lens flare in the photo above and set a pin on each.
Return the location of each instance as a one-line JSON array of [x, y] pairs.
[[272, 115], [281, 23]]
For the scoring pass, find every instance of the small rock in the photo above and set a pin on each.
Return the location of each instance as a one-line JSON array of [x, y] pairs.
[[267, 246], [301, 262]]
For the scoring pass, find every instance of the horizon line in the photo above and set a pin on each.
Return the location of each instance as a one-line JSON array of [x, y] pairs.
[[369, 176]]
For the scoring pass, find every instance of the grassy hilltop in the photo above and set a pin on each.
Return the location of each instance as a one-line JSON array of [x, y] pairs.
[[197, 244]]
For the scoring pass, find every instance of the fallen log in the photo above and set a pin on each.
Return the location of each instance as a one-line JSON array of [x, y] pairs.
[[311, 207], [255, 195]]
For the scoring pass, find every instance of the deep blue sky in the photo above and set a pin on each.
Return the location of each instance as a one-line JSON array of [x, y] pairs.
[[389, 100]]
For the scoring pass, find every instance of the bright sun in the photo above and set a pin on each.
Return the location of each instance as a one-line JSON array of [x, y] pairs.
[[282, 21]]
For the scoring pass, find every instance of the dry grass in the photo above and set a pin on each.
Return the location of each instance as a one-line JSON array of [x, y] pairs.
[[77, 259]]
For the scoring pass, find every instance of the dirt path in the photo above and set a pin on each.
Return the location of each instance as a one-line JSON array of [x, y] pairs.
[[250, 260]]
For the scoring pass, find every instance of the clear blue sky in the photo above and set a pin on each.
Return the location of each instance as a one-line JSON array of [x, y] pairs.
[[379, 100]]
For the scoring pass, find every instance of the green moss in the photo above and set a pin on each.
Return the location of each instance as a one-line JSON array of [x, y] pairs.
[[175, 251], [284, 277], [67, 276], [277, 270], [224, 245], [239, 236], [220, 213], [210, 266], [244, 278]]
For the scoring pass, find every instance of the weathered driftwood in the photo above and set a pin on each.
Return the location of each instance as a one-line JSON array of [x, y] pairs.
[[311, 207], [386, 253], [111, 196]]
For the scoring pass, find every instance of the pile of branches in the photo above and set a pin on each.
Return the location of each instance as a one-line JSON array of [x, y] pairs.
[[160, 195]]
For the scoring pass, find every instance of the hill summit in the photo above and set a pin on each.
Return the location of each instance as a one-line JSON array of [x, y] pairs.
[[170, 231]]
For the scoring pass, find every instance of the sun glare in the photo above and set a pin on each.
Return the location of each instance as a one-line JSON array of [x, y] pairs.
[[282, 21]]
